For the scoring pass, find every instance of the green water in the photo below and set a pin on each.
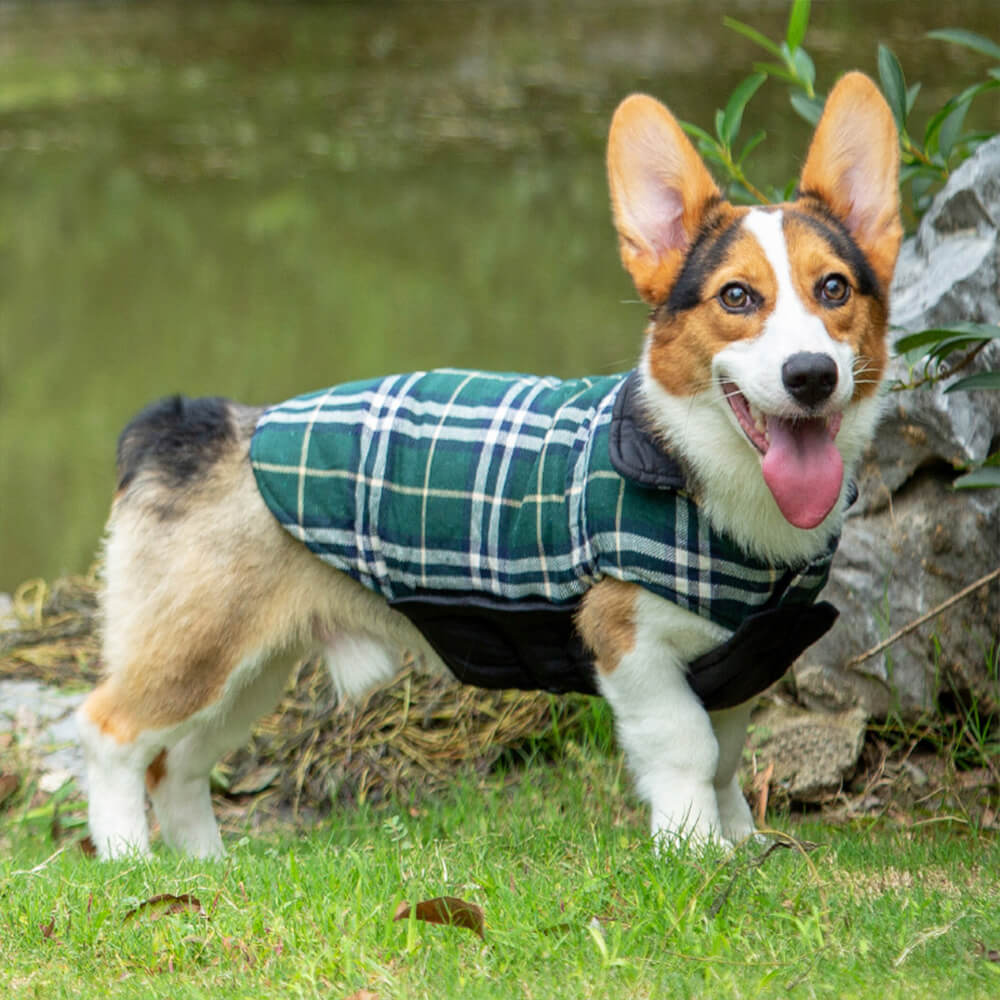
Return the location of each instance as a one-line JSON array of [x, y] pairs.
[[254, 200]]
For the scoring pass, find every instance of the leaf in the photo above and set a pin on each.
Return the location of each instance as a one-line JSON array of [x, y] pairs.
[[732, 117], [9, 783], [779, 72], [447, 910], [165, 904], [751, 144], [798, 21], [951, 129], [697, 132], [986, 476], [753, 34], [965, 98], [940, 351], [968, 39], [911, 97], [990, 954], [981, 380], [255, 781], [966, 331], [804, 68], [893, 84], [810, 108], [720, 117]]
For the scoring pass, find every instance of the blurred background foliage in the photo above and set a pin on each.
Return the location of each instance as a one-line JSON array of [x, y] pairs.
[[258, 199]]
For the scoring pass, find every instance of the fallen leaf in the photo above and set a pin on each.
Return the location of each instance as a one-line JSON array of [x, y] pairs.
[[48, 929], [762, 792], [9, 783], [256, 781], [164, 904], [990, 954], [87, 847], [448, 910]]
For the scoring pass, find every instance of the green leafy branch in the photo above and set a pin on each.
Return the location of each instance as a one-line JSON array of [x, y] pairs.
[[927, 162], [943, 352]]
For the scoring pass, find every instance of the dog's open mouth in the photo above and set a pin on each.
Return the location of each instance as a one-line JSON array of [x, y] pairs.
[[800, 463]]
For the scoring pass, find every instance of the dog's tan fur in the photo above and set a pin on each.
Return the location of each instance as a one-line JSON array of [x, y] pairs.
[[220, 572]]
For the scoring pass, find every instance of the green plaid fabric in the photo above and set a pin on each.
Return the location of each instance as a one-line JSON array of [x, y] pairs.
[[497, 487]]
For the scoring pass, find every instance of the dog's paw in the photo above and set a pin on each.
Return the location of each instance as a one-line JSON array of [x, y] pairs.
[[672, 838], [734, 814]]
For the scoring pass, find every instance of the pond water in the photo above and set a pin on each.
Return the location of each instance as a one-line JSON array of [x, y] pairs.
[[255, 200]]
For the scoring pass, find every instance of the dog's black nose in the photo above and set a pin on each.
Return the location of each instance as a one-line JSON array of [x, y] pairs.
[[809, 377]]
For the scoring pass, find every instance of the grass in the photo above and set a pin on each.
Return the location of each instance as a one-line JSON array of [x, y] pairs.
[[576, 904]]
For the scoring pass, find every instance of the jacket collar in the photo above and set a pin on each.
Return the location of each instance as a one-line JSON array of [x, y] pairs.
[[634, 451]]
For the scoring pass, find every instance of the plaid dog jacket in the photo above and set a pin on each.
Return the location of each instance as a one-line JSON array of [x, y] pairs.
[[485, 505]]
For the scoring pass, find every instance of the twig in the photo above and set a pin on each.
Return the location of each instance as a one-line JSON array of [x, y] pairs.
[[41, 866], [940, 376], [917, 622], [922, 939]]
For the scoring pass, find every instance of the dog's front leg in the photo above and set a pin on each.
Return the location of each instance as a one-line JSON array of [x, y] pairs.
[[664, 729], [730, 726]]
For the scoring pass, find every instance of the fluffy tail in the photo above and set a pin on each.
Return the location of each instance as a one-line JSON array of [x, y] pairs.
[[177, 437]]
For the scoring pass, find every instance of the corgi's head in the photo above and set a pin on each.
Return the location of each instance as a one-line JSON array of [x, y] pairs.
[[766, 343]]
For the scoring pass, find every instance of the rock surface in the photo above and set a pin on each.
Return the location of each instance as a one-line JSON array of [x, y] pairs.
[[912, 541], [813, 754], [41, 720]]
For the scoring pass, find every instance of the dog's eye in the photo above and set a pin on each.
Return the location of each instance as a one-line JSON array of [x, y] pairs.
[[833, 290], [736, 298]]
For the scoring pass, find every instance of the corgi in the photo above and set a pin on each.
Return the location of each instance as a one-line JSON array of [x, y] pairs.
[[657, 538]]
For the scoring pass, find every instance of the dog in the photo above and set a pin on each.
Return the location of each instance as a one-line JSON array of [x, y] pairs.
[[658, 538]]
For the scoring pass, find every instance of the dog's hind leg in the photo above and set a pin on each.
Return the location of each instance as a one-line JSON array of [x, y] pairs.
[[177, 779], [117, 753]]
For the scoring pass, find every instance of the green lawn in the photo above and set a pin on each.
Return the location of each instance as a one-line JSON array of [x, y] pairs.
[[576, 904]]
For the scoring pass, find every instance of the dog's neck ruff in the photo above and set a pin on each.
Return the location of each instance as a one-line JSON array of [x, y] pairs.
[[504, 492]]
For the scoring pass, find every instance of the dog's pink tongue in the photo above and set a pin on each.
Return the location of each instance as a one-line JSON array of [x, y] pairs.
[[802, 469]]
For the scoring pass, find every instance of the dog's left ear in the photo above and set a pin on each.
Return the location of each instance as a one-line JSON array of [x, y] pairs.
[[853, 167]]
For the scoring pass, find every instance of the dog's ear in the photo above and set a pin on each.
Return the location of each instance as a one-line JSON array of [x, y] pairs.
[[659, 192], [853, 167]]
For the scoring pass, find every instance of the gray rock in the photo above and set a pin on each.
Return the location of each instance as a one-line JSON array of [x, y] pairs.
[[893, 566], [912, 541], [813, 753], [41, 718]]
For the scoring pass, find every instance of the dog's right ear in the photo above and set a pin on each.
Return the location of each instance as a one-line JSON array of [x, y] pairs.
[[660, 190]]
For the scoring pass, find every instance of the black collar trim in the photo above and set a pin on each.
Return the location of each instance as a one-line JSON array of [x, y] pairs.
[[634, 452]]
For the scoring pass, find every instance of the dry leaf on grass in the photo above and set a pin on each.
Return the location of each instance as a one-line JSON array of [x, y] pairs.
[[164, 904], [9, 783], [990, 954], [255, 781], [448, 910], [762, 792]]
